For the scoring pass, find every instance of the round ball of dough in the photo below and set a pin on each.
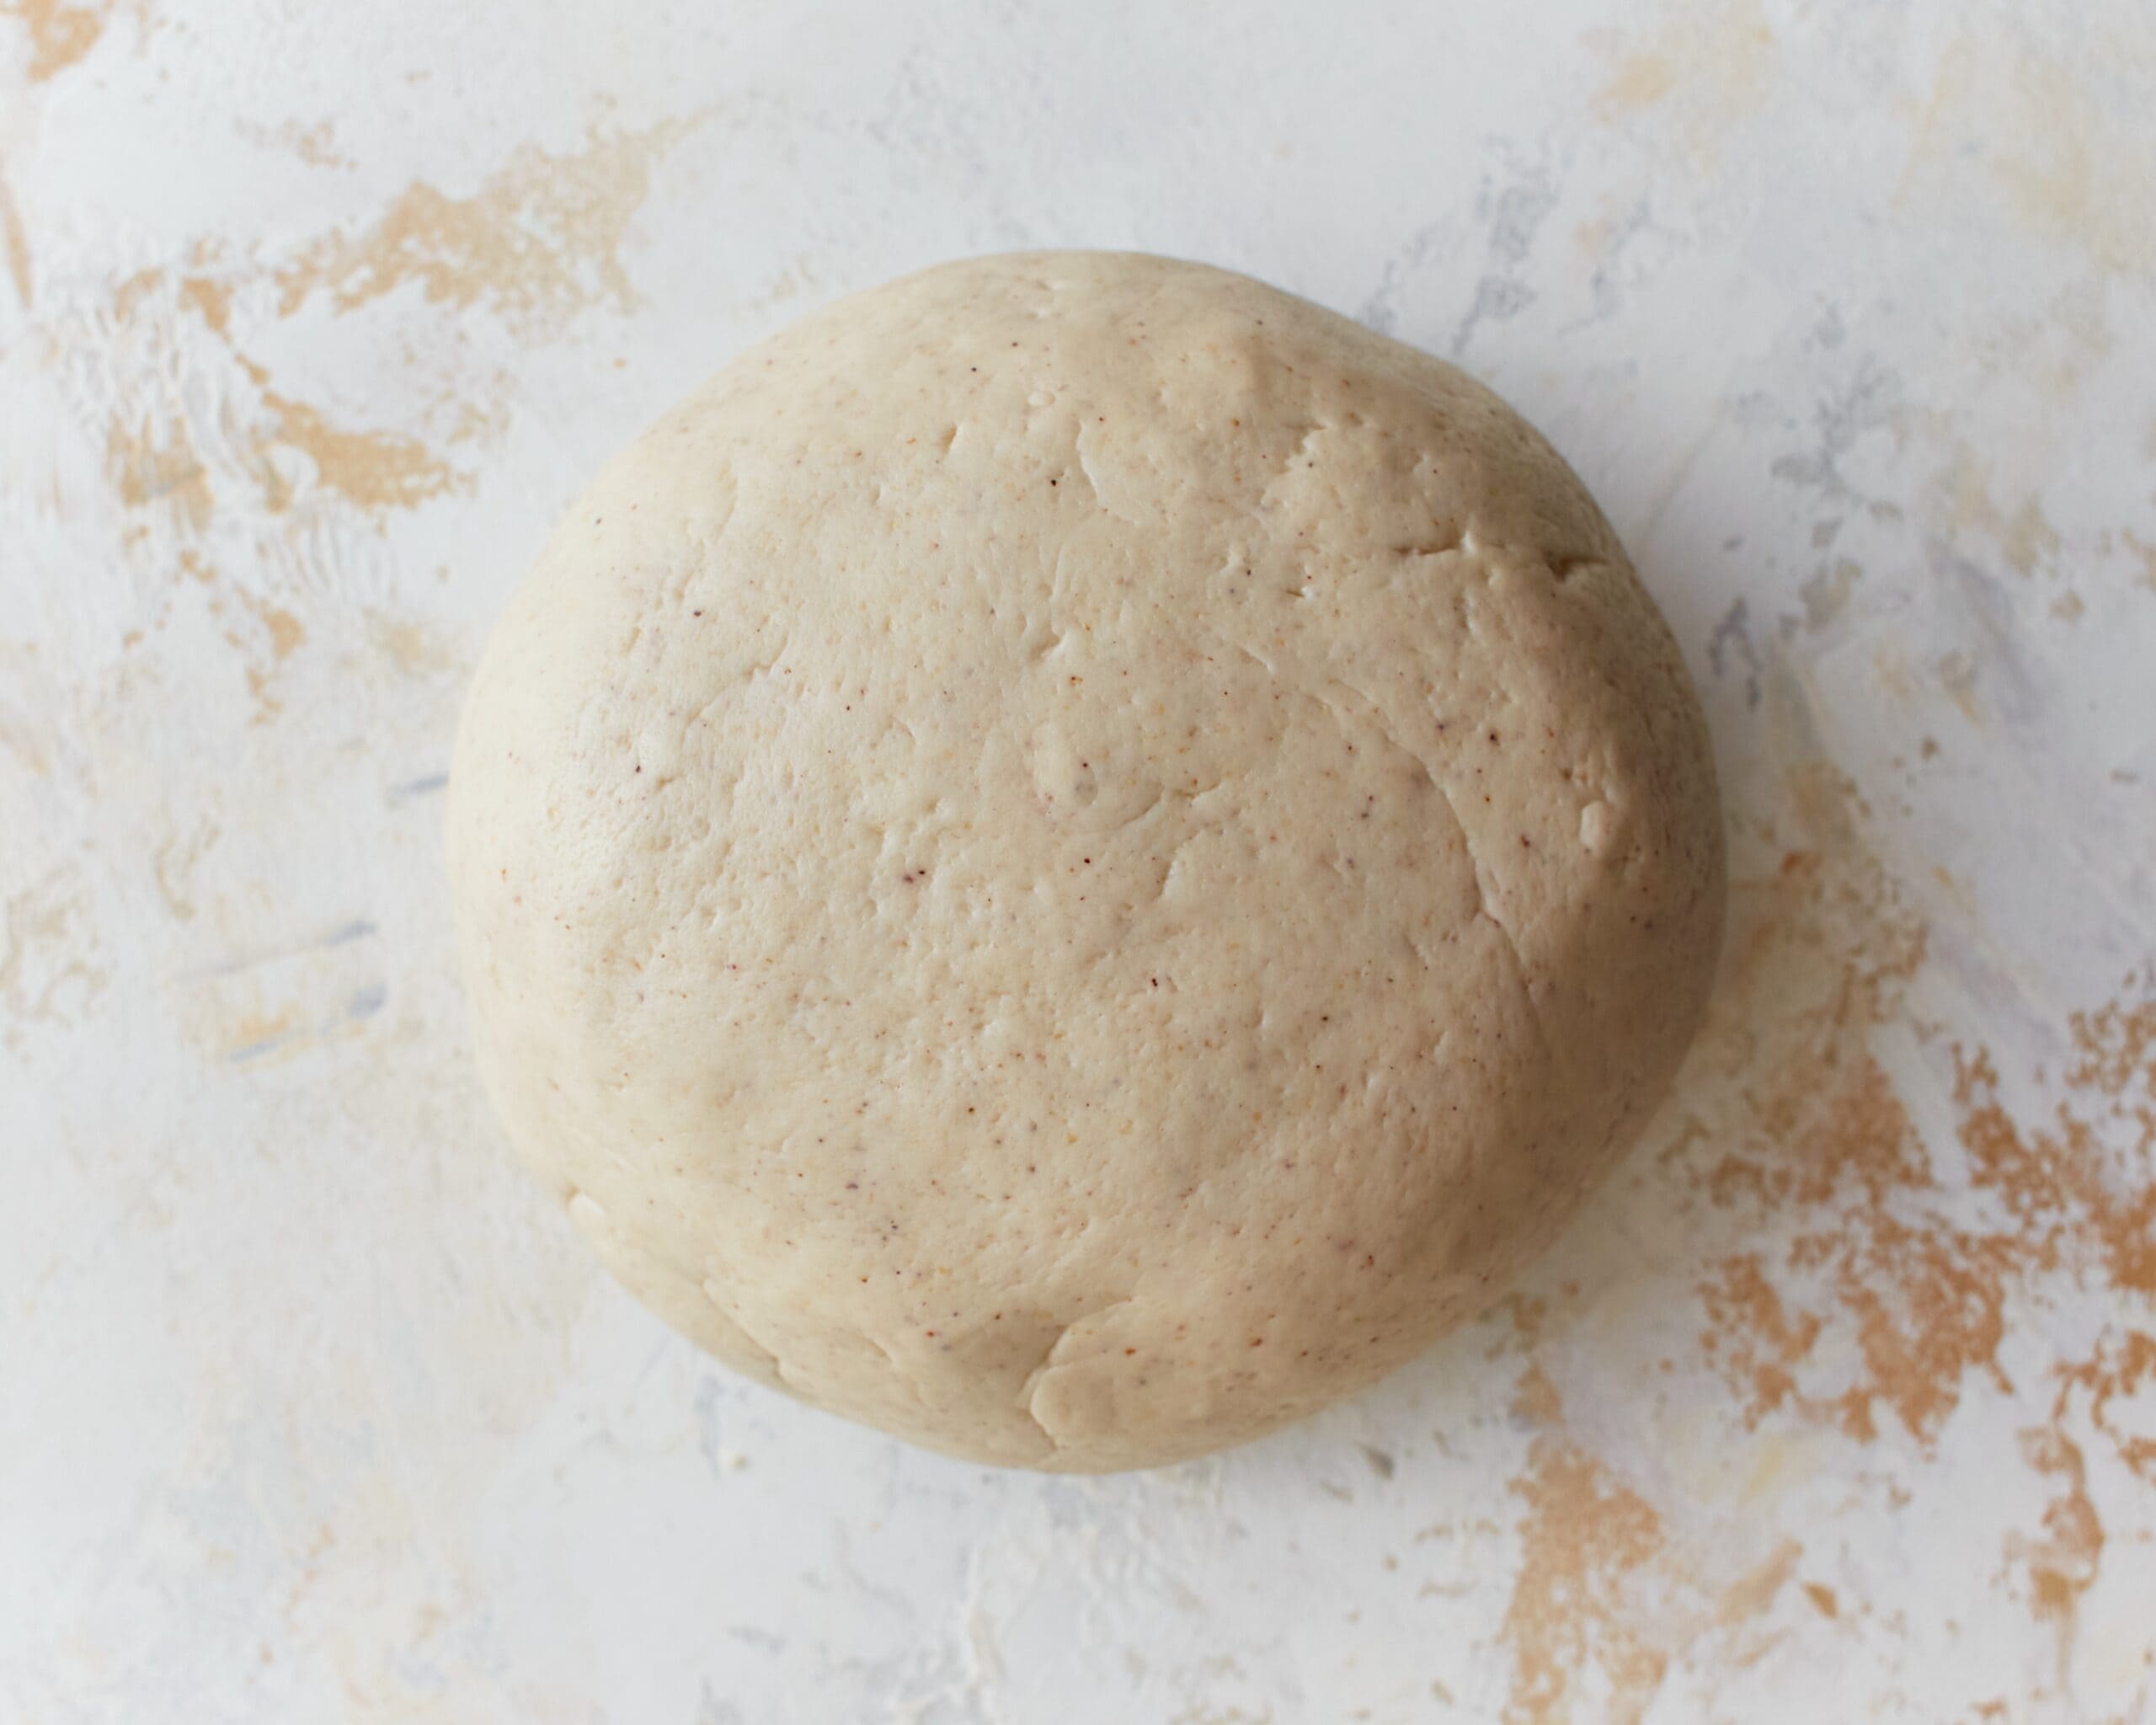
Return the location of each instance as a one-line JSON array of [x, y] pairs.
[[1076, 857]]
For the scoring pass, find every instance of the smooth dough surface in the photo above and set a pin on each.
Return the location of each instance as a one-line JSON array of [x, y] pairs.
[[1077, 856]]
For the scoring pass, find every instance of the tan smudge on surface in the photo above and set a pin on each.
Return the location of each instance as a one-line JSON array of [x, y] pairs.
[[2113, 1047], [14, 241], [1205, 1713], [132, 291], [1754, 1593], [2024, 536], [46, 945], [2029, 539], [1585, 1539], [1826, 595], [2057, 349], [256, 1032], [2076, 177], [2066, 169], [1524, 1314], [376, 470], [1957, 675], [2059, 1192], [2119, 1368], [1857, 1276], [2061, 1563], [1536, 1398], [1594, 238], [315, 144], [538, 241], [1891, 664], [242, 1019], [1604, 1600], [173, 865], [211, 298], [409, 645], [157, 464], [24, 742], [1639, 81], [477, 420], [152, 456], [60, 33], [285, 632], [1706, 65], [2147, 553], [267, 706], [1819, 953], [1853, 1217], [1854, 1233], [1751, 1335]]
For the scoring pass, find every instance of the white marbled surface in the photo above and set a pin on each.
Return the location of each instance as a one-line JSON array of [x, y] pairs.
[[1840, 1403]]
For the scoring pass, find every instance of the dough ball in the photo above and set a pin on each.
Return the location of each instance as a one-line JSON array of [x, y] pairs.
[[1076, 857]]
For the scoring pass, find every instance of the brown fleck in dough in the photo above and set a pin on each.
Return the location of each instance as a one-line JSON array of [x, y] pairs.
[[1077, 856]]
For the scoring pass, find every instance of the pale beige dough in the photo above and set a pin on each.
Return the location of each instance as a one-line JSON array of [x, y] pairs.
[[1076, 857]]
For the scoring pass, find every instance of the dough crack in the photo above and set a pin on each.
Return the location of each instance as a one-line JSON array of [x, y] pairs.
[[1029, 1391], [1444, 544], [1093, 483], [771, 1359], [1483, 908], [1563, 568]]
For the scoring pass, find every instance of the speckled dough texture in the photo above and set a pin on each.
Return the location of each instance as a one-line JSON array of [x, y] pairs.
[[1077, 856]]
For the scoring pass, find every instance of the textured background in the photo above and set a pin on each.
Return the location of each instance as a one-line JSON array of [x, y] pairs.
[[1840, 1403]]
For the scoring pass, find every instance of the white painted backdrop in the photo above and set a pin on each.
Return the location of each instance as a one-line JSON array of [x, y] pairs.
[[1840, 1403]]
